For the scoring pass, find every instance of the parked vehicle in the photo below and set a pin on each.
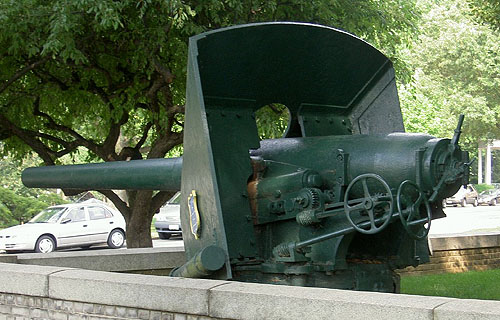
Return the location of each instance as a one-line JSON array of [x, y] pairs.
[[168, 220], [464, 196], [490, 197], [70, 225]]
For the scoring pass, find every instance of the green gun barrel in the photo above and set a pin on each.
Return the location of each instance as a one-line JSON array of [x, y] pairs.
[[151, 174], [204, 263]]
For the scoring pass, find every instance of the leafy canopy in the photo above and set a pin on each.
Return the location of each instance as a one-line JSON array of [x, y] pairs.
[[457, 71], [109, 76]]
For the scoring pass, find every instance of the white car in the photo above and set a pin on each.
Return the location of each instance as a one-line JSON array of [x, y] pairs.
[[168, 221], [69, 225]]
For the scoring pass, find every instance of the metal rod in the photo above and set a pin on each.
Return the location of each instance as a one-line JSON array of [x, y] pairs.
[[337, 233]]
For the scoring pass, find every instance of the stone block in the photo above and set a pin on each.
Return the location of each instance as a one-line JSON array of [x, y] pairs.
[[121, 312], [248, 301], [109, 310], [466, 309], [110, 260], [28, 280], [39, 314], [57, 315], [8, 258], [176, 295], [143, 314], [167, 316], [20, 311], [5, 309], [465, 242]]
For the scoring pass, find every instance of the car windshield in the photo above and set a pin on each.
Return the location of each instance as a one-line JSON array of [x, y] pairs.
[[49, 215], [488, 192], [176, 199]]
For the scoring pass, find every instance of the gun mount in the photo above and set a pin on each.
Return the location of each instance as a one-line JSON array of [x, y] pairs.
[[342, 200]]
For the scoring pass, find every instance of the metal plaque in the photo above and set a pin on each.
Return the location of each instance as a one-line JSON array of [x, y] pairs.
[[194, 215]]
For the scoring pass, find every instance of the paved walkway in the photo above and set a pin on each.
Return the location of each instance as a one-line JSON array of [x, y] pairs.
[[467, 220]]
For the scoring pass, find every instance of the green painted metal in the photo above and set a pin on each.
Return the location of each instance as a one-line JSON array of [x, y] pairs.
[[154, 174], [204, 263], [340, 201]]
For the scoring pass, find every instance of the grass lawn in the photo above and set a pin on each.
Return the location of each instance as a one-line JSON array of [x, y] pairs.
[[483, 285]]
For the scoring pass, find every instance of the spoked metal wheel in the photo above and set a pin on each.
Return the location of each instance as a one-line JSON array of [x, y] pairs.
[[414, 210], [375, 205]]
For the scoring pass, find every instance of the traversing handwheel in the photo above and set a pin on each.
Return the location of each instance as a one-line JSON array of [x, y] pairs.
[[409, 202], [376, 205]]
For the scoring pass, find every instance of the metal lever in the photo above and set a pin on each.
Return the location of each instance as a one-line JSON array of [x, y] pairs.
[[458, 131]]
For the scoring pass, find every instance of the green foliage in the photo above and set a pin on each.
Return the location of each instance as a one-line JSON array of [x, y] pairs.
[[483, 187], [99, 60], [272, 121], [466, 285], [457, 71], [5, 216], [10, 171], [17, 203], [19, 209], [486, 11]]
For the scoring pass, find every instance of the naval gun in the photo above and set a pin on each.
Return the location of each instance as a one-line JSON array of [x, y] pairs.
[[342, 200]]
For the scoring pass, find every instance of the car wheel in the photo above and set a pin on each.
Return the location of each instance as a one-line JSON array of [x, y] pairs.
[[463, 202], [45, 244], [493, 202], [163, 236], [475, 203], [116, 239]]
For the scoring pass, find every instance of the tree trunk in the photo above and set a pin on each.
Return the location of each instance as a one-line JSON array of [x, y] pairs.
[[139, 221]]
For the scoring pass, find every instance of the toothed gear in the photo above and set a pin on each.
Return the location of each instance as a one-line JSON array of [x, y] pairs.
[[314, 198]]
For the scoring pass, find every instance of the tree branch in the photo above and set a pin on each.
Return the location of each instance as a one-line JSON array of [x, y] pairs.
[[159, 200], [168, 77], [164, 143], [53, 125], [47, 77], [22, 72], [117, 201], [145, 132], [27, 137]]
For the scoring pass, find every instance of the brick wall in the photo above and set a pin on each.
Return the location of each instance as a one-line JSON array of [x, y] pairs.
[[460, 254]]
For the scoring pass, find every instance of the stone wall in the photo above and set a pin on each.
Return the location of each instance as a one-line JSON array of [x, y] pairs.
[[46, 292], [29, 307]]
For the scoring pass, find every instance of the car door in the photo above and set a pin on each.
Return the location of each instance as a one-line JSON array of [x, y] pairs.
[[73, 228], [101, 223]]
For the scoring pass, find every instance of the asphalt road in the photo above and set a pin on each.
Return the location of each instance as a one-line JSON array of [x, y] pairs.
[[174, 242], [467, 220]]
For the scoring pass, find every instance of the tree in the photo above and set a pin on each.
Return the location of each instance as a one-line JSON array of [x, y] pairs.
[[457, 71], [109, 76], [486, 11], [15, 209]]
